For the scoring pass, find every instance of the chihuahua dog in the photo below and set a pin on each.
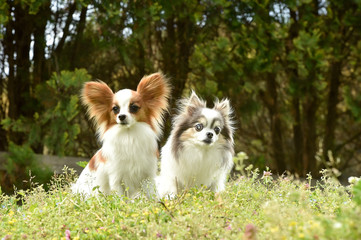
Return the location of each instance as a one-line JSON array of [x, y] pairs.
[[199, 150]]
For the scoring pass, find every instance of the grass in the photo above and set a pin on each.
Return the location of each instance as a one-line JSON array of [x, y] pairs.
[[251, 207]]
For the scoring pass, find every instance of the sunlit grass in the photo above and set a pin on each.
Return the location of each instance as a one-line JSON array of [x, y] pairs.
[[281, 208]]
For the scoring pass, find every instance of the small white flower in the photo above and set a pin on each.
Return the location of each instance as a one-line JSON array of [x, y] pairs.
[[353, 180], [242, 155], [337, 225]]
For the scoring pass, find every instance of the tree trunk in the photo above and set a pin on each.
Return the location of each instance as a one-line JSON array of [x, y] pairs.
[[297, 161], [331, 117], [79, 37], [270, 98], [40, 73], [20, 103]]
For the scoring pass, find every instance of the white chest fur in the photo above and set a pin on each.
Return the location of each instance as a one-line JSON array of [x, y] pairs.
[[130, 158]]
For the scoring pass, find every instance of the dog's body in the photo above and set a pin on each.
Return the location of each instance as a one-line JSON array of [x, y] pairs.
[[200, 148], [129, 125]]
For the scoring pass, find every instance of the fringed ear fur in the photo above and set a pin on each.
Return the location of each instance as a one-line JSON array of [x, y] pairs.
[[192, 103], [154, 91], [224, 108], [98, 98]]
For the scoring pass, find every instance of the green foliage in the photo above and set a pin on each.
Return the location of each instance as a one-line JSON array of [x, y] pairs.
[[353, 102], [3, 16], [267, 208], [57, 126], [60, 97], [82, 163], [356, 191], [21, 166]]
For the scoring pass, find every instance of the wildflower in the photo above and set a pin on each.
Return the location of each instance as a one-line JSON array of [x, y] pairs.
[[67, 235], [293, 223], [353, 180], [11, 213], [307, 186], [113, 220], [267, 174], [275, 229], [159, 235], [101, 229], [250, 232], [337, 225], [12, 221], [7, 237], [242, 155]]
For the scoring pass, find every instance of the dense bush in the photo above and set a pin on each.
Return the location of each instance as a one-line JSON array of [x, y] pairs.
[[53, 129], [56, 125], [21, 168]]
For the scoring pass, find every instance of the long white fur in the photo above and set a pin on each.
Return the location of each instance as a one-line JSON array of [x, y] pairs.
[[196, 164], [131, 161]]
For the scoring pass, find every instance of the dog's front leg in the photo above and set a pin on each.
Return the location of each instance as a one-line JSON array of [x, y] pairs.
[[219, 184], [116, 185]]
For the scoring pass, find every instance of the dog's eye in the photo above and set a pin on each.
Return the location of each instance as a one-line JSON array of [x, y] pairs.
[[217, 130], [116, 109], [133, 108], [198, 127]]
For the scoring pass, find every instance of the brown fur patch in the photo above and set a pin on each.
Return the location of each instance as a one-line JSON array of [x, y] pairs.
[[95, 160], [157, 153], [153, 92], [98, 98], [188, 134]]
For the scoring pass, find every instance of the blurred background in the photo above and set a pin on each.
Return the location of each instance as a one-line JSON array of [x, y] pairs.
[[290, 68]]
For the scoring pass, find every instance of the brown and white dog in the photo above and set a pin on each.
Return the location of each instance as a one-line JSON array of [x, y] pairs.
[[200, 148], [128, 124]]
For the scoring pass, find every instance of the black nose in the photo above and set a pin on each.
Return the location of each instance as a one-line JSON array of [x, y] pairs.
[[122, 117], [209, 135]]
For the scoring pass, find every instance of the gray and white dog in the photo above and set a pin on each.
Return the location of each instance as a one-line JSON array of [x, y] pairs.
[[199, 150]]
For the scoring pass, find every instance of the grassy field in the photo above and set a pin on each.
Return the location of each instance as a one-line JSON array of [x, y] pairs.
[[251, 207]]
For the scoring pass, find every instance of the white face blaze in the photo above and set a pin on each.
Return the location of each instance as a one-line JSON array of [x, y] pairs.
[[208, 127], [121, 108]]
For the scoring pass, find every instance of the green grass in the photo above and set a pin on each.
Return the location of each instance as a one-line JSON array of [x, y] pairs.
[[283, 208]]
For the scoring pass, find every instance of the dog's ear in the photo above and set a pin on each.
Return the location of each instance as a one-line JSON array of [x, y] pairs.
[[98, 97], [193, 103], [224, 108], [154, 90], [97, 93]]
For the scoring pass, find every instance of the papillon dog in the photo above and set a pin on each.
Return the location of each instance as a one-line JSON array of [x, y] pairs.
[[199, 149], [129, 124]]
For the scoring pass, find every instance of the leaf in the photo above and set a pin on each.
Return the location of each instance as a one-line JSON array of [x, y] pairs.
[[82, 163], [357, 193]]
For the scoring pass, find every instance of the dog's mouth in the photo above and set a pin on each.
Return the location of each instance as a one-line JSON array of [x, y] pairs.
[[208, 141], [124, 123]]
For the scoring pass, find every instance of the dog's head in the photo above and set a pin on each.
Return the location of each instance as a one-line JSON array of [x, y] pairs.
[[203, 126], [127, 107]]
